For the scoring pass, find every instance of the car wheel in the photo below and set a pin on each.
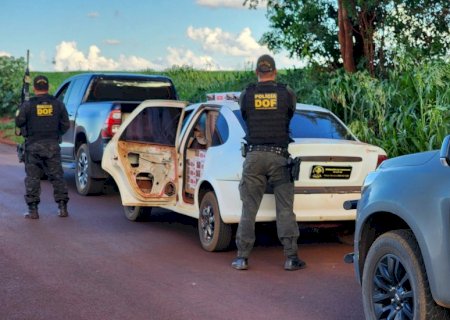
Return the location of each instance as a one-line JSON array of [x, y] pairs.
[[394, 283], [136, 213], [214, 234], [85, 184]]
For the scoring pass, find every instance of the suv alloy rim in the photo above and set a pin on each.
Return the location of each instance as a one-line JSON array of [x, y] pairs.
[[392, 291], [82, 172]]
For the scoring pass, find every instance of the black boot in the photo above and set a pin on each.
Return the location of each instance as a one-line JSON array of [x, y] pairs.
[[240, 263], [32, 211], [62, 212], [294, 263]]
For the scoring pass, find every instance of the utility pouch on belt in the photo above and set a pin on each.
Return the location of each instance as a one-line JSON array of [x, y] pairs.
[[21, 152], [243, 149], [294, 168]]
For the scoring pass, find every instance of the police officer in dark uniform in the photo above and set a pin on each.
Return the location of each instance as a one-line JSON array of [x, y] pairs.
[[267, 108], [44, 120]]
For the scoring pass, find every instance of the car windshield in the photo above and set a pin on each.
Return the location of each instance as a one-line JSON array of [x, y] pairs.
[[128, 89], [312, 124]]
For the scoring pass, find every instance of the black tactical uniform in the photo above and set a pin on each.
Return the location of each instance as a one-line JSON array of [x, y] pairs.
[[267, 108], [44, 120]]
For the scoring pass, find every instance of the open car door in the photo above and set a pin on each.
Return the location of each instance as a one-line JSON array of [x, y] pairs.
[[142, 155]]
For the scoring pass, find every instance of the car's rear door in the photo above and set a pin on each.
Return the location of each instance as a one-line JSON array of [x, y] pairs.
[[142, 155]]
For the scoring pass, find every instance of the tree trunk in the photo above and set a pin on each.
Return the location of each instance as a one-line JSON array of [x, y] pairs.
[[366, 21], [345, 36]]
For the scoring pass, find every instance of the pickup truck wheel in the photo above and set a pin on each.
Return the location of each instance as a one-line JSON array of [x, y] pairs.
[[214, 234], [135, 213], [85, 184], [395, 283]]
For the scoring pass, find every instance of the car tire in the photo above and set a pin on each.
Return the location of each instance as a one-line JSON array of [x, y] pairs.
[[136, 213], [394, 283], [214, 234], [86, 185]]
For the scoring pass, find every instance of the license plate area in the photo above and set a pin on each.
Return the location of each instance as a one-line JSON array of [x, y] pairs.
[[330, 172]]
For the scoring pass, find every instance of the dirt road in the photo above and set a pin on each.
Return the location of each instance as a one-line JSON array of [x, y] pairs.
[[95, 264]]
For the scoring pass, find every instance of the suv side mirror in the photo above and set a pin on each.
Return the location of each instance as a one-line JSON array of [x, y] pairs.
[[445, 152]]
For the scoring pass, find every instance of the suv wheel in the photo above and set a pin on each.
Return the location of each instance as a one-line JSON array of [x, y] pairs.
[[85, 184], [394, 283], [214, 234]]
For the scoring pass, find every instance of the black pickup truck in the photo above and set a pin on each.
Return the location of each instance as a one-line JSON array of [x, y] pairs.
[[97, 103]]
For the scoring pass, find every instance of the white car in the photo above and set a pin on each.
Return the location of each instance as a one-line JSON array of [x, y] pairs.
[[156, 161]]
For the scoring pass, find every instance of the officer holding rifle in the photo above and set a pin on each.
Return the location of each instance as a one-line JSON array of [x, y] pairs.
[[43, 120]]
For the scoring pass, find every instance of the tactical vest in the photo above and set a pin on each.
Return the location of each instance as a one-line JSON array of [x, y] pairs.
[[43, 121], [268, 116]]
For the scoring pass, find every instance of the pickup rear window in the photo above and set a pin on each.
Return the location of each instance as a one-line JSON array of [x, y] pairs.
[[104, 89]]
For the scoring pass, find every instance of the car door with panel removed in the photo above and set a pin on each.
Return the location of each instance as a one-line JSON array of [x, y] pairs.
[[142, 156]]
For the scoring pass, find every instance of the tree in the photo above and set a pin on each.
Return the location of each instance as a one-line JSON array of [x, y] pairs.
[[11, 71], [356, 34]]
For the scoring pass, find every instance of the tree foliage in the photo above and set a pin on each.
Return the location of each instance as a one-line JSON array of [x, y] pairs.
[[407, 111], [11, 74], [357, 34]]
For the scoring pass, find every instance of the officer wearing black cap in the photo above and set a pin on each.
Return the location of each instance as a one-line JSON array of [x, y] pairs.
[[45, 120], [267, 108]]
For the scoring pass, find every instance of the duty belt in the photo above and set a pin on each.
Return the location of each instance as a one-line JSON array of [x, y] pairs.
[[266, 148]]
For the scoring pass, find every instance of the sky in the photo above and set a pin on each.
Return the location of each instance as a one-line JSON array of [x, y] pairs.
[[135, 35]]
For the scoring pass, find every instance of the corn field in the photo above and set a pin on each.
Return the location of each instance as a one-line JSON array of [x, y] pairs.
[[406, 111]]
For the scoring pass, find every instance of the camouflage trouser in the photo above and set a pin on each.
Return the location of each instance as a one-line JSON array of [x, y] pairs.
[[259, 169], [43, 157]]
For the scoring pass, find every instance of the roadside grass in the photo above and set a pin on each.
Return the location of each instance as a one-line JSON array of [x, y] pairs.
[[405, 111], [7, 131]]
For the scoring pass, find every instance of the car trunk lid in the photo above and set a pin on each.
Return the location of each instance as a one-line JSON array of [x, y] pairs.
[[330, 166]]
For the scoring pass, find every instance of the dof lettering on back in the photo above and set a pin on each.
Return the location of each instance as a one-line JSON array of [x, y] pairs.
[[265, 101], [44, 110]]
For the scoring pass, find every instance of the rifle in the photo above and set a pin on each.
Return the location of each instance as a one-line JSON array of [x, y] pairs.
[[25, 96], [26, 81]]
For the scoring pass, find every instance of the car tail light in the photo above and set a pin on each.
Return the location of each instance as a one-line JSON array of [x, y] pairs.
[[112, 123], [381, 158]]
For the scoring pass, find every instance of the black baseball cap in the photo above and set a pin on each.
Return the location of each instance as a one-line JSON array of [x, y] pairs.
[[41, 83], [265, 63]]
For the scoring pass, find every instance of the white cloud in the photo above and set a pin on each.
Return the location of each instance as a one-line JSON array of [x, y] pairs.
[[68, 57], [4, 54], [217, 40], [226, 4], [135, 63], [242, 47], [181, 57], [112, 42], [284, 62], [221, 51]]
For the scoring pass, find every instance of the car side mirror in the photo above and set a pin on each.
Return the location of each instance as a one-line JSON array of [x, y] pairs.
[[445, 152]]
